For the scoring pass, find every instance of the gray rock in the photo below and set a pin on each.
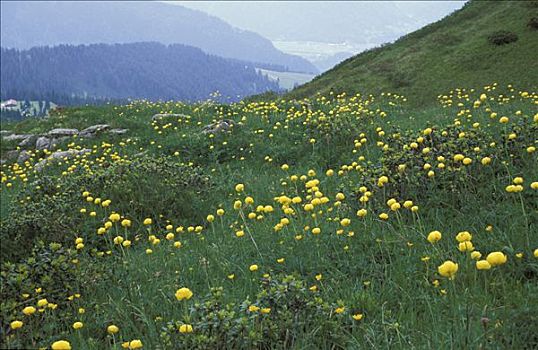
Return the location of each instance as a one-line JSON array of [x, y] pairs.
[[43, 143], [62, 132], [70, 153], [220, 126], [11, 155], [28, 142], [16, 137], [24, 156], [94, 129], [160, 116], [118, 131]]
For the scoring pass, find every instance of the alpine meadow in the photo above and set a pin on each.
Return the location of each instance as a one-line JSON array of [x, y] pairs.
[[390, 203]]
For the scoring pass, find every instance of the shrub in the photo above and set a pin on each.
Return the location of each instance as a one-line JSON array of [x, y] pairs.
[[533, 23], [502, 37]]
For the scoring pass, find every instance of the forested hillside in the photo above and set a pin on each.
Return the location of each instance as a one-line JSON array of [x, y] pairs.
[[139, 70], [33, 23]]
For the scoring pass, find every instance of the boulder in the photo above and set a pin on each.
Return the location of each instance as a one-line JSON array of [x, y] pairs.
[[118, 131], [11, 155], [28, 142], [160, 116], [16, 137], [5, 132], [62, 132], [24, 156], [70, 153], [94, 129], [220, 126], [43, 143]]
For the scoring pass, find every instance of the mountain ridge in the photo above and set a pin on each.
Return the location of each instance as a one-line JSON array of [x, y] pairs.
[[120, 71], [28, 24]]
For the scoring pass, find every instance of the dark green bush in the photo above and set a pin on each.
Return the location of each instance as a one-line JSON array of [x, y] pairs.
[[533, 23], [145, 187], [502, 37]]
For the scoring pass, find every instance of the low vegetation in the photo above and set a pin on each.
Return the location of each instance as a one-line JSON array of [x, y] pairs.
[[344, 221], [483, 41]]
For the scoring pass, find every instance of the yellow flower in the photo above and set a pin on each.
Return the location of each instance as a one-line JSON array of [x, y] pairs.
[[535, 253], [183, 293], [114, 217], [16, 324], [253, 308], [434, 236], [383, 216], [210, 218], [340, 309], [466, 246], [316, 231], [253, 267], [78, 325], [28, 310], [126, 223], [112, 329], [220, 212], [362, 213], [475, 255], [148, 221], [185, 328], [239, 187], [135, 344], [448, 269], [496, 258], [61, 345], [485, 160], [483, 265], [464, 236], [42, 302], [240, 233], [358, 317]]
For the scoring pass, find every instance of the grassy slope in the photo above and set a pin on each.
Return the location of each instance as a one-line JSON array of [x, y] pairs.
[[451, 53], [377, 271]]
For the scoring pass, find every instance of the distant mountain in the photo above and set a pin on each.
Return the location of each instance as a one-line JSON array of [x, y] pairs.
[[138, 70], [26, 24], [482, 43], [328, 21], [317, 30]]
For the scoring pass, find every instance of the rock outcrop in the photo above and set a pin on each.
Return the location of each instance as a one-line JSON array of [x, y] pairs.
[[70, 153], [220, 126]]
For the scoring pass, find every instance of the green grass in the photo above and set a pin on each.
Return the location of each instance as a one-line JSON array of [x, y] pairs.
[[453, 52], [385, 270]]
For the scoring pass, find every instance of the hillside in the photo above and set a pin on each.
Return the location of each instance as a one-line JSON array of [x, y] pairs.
[[454, 51], [139, 70], [25, 24], [345, 223]]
